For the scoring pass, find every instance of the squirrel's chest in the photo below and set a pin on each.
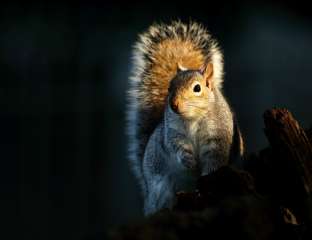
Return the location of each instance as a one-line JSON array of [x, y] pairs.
[[195, 132], [191, 131]]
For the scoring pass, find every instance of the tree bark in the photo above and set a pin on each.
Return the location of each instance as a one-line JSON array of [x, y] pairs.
[[269, 199], [292, 161]]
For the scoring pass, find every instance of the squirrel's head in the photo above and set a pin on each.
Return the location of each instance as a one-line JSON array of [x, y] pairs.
[[191, 91]]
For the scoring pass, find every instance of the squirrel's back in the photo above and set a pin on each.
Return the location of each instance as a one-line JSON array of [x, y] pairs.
[[156, 56]]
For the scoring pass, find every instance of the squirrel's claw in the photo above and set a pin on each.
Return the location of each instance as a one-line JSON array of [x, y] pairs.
[[187, 159]]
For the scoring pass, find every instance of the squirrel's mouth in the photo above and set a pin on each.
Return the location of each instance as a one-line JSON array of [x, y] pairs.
[[190, 110], [191, 113], [187, 109]]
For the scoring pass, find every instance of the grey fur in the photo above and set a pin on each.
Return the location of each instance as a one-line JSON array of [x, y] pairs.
[[167, 152], [180, 151]]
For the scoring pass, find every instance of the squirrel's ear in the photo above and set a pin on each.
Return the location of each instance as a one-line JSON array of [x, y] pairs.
[[207, 72], [180, 68]]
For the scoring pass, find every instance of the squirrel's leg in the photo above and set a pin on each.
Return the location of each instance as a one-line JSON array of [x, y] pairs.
[[160, 194], [214, 153], [159, 191], [237, 148]]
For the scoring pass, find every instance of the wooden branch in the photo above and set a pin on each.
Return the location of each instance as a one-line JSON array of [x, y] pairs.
[[291, 145], [270, 199], [291, 160]]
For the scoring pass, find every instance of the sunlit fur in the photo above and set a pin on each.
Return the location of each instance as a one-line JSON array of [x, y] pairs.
[[156, 56], [191, 104]]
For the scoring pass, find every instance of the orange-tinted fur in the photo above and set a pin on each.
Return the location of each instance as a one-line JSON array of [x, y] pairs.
[[182, 91]]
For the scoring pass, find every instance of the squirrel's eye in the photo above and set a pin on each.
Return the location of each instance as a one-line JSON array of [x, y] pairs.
[[197, 88]]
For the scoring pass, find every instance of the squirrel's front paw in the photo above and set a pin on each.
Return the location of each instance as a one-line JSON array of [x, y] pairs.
[[187, 159]]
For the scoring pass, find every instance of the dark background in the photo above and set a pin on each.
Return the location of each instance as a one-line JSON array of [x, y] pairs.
[[63, 77]]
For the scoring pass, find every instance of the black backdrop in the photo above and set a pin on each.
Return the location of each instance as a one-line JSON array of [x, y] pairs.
[[64, 70]]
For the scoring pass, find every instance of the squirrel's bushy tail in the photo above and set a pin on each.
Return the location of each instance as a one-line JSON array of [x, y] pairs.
[[156, 56]]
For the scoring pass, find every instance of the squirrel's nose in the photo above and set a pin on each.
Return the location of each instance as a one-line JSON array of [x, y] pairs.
[[175, 106]]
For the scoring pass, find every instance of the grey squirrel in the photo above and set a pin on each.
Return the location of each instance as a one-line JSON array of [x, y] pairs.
[[179, 124]]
